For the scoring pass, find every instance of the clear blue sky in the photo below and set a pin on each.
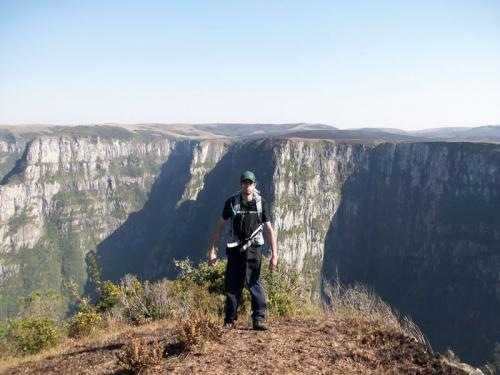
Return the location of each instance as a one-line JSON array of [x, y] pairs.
[[404, 64]]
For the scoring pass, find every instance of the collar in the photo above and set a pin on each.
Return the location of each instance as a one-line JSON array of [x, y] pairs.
[[246, 202]]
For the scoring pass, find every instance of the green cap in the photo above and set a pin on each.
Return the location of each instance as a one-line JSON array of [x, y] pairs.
[[247, 175]]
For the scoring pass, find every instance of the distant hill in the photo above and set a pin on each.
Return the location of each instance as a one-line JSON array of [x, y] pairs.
[[489, 133]]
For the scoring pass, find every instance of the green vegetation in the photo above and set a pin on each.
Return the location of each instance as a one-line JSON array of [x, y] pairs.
[[101, 131], [128, 199], [56, 258], [18, 221], [59, 254], [320, 224], [135, 165], [195, 299], [43, 305], [39, 270], [345, 168], [291, 204], [38, 325], [83, 323], [284, 291], [29, 335], [293, 231], [192, 304], [311, 271], [337, 187]]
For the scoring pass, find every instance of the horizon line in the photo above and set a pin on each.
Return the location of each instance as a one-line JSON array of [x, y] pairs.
[[238, 123]]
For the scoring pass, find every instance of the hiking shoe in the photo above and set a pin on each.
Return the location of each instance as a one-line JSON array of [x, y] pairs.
[[229, 325], [259, 325]]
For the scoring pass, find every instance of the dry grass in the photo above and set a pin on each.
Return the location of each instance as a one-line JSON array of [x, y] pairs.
[[354, 345], [138, 354], [110, 331], [359, 301], [355, 333], [198, 328]]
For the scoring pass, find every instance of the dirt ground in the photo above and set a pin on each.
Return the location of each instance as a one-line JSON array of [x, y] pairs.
[[292, 346]]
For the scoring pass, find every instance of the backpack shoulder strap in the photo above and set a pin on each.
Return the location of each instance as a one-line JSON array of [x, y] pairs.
[[235, 202], [258, 203]]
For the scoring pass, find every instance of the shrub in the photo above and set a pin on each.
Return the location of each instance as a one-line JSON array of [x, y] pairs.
[[141, 303], [109, 295], [132, 300], [83, 323], [31, 335], [38, 305], [158, 299], [205, 275], [137, 354], [360, 301], [357, 300], [87, 320], [285, 290], [4, 346], [189, 297], [196, 329]]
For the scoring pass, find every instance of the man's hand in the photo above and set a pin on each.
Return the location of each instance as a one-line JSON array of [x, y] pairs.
[[271, 237], [212, 257], [273, 262]]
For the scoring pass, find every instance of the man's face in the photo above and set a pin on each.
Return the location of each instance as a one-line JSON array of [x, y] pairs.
[[247, 186]]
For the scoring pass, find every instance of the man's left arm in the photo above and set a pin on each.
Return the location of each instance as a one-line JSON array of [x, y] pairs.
[[271, 237]]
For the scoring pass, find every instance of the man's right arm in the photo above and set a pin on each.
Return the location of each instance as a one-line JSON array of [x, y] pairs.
[[212, 255]]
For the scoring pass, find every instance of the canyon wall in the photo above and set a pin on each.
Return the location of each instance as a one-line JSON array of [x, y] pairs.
[[418, 222]]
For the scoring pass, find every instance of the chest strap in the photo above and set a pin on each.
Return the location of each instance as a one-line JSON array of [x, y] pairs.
[[248, 241]]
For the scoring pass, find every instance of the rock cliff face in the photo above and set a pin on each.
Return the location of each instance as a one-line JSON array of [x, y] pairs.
[[417, 221], [63, 197], [420, 223]]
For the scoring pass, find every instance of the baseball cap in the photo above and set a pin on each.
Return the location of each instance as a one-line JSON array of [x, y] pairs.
[[247, 175]]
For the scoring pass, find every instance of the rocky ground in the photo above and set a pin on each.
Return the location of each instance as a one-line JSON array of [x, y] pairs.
[[291, 346]]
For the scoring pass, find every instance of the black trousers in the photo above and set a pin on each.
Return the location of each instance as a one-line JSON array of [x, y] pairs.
[[244, 267]]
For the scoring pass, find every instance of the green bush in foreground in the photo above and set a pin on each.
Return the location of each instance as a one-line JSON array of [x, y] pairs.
[[196, 290], [211, 278], [285, 288], [31, 335]]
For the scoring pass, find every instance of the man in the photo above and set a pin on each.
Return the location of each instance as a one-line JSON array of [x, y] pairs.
[[249, 216]]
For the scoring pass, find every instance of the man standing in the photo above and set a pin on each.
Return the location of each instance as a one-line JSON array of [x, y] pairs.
[[249, 215]]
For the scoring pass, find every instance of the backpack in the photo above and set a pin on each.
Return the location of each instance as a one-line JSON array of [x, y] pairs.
[[256, 238]]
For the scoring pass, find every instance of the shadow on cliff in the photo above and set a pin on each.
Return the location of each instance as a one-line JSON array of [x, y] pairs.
[[168, 228], [428, 245], [125, 250], [18, 167]]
